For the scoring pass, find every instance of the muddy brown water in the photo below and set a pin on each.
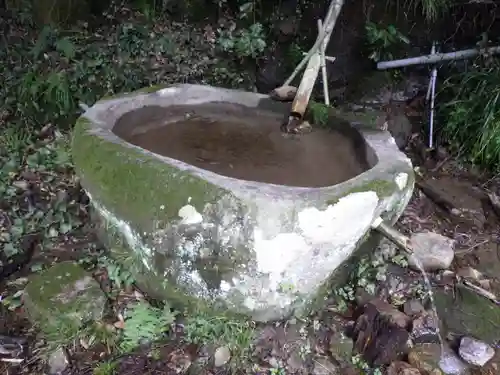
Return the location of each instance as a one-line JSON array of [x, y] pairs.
[[244, 145]]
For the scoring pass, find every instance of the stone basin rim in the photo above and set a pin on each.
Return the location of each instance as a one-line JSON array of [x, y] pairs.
[[381, 143]]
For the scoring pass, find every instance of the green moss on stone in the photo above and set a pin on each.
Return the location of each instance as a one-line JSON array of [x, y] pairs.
[[383, 188], [368, 119], [63, 296], [466, 312], [133, 185]]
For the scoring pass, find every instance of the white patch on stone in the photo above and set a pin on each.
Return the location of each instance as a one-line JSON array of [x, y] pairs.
[[167, 91], [249, 303], [276, 254], [189, 215], [339, 223], [225, 286], [391, 140], [303, 259], [401, 180]]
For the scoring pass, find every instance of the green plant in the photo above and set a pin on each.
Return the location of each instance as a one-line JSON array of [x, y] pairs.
[[144, 322], [119, 276], [101, 333], [382, 42], [361, 364], [319, 113], [106, 368], [67, 333], [277, 371], [244, 43], [202, 328], [471, 113], [431, 9]]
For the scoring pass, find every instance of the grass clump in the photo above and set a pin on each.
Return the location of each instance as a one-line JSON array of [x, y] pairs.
[[203, 328], [145, 323], [430, 9], [472, 115]]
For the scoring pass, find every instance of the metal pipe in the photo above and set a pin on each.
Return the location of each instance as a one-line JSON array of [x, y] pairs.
[[432, 86], [438, 57]]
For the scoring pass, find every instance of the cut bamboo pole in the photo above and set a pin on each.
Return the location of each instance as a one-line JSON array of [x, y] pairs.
[[324, 76], [306, 86]]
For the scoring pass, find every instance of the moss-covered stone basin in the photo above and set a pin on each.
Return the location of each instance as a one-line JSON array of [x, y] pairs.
[[203, 239]]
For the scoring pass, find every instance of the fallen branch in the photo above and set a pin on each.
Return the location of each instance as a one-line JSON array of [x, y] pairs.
[[403, 243], [436, 197]]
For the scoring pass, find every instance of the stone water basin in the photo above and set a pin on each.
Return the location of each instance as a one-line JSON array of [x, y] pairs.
[[197, 193]]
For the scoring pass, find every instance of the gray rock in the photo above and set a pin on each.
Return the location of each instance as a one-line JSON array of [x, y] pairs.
[[222, 356], [323, 366], [451, 364], [425, 328], [431, 251], [262, 249], [413, 307], [386, 249], [57, 362], [469, 312], [60, 299], [475, 352], [341, 347], [23, 185]]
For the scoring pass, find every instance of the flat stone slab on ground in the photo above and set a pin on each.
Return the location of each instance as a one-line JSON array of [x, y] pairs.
[[465, 312], [63, 296]]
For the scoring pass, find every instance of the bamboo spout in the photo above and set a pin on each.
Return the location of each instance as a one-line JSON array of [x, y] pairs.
[[306, 86]]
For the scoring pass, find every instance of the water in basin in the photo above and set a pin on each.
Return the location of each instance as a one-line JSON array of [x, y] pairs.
[[248, 147]]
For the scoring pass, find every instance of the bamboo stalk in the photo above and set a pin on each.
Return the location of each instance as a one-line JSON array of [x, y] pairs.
[[306, 86], [324, 76], [316, 45]]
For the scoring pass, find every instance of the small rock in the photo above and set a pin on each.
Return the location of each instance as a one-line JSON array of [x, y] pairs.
[[392, 314], [413, 308], [362, 296], [491, 368], [495, 203], [432, 250], [426, 358], [23, 185], [475, 352], [29, 176], [380, 333], [402, 368], [425, 328], [295, 363], [451, 364], [341, 347], [323, 366], [284, 93], [273, 362], [222, 356], [386, 249], [57, 362]]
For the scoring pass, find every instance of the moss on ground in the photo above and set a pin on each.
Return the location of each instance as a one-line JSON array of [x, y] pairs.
[[62, 298]]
